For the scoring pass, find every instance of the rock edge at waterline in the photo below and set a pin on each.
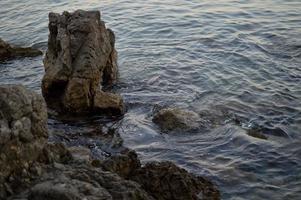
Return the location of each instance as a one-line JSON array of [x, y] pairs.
[[8, 51], [81, 59]]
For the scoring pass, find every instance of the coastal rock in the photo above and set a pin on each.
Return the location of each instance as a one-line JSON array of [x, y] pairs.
[[8, 52], [23, 130], [124, 165], [55, 152], [31, 168], [256, 134], [176, 119], [166, 181], [69, 182], [162, 180], [81, 58], [80, 154]]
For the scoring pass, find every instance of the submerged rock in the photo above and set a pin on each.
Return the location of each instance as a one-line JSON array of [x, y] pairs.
[[81, 58], [8, 52], [176, 119], [256, 134], [23, 130]]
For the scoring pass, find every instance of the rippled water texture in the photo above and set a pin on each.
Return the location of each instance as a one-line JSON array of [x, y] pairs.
[[234, 59]]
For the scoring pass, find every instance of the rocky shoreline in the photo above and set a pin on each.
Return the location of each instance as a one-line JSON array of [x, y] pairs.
[[80, 60]]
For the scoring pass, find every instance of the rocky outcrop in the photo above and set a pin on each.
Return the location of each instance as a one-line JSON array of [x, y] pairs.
[[23, 130], [125, 165], [176, 119], [162, 180], [69, 182], [9, 52], [32, 168], [81, 58], [166, 181]]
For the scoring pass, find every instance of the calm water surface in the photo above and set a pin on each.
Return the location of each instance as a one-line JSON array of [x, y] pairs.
[[233, 59]]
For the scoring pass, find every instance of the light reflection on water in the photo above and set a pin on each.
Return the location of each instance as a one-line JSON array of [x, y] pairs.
[[236, 59]]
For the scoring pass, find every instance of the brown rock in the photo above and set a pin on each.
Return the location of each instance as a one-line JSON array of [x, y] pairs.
[[81, 57], [80, 154], [166, 181], [176, 119], [23, 130], [124, 165], [8, 52], [109, 102], [55, 152], [72, 182]]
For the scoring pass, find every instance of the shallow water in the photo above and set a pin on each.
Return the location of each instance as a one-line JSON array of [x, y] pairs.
[[234, 59]]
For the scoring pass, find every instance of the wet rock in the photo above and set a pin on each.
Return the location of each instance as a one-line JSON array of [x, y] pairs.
[[80, 154], [8, 52], [175, 119], [278, 132], [32, 169], [264, 132], [166, 181], [256, 134], [81, 58], [82, 182], [23, 130], [124, 164], [162, 180], [63, 188], [55, 152]]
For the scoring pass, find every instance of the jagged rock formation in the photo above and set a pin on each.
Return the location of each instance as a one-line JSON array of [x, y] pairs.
[[8, 52], [23, 130], [81, 58]]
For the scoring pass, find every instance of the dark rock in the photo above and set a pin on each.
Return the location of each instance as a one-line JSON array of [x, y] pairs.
[[166, 181], [278, 132], [80, 154], [71, 182], [175, 119], [81, 57], [264, 132], [32, 169], [63, 188], [124, 165], [23, 130], [162, 180], [9, 52], [55, 152], [256, 134]]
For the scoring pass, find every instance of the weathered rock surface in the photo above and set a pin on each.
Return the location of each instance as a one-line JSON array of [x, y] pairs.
[[125, 165], [70, 182], [176, 119], [166, 181], [32, 169], [81, 58], [8, 52], [162, 180], [80, 154], [23, 130]]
